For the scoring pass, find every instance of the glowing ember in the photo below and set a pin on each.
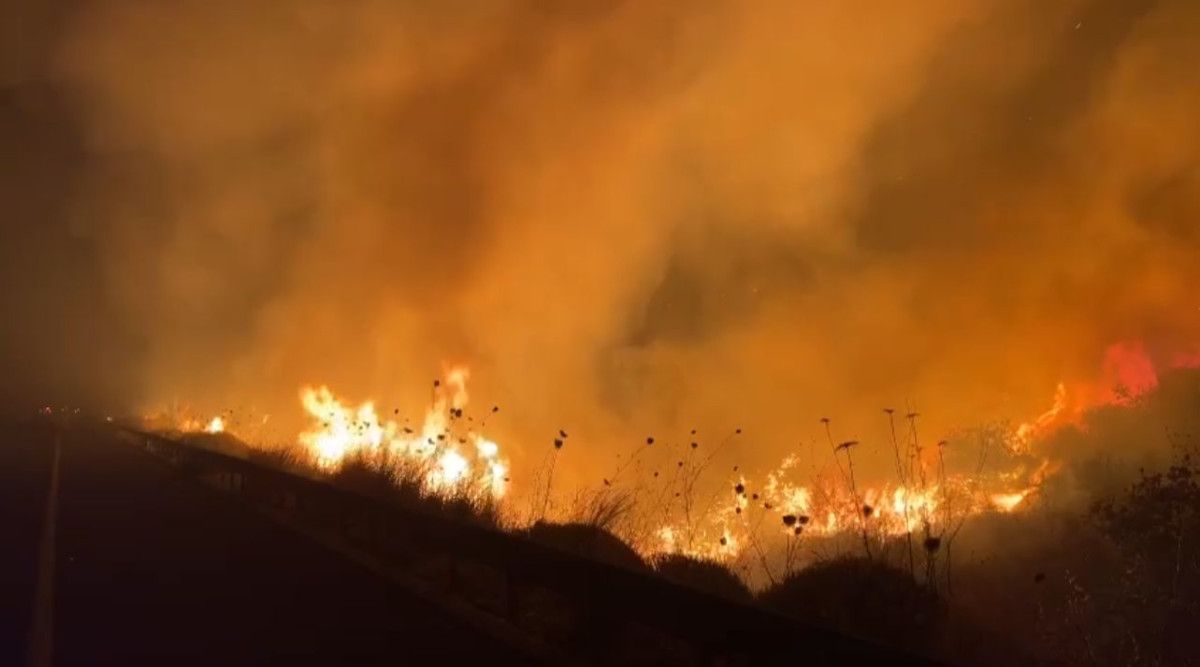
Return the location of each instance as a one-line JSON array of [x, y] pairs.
[[217, 425]]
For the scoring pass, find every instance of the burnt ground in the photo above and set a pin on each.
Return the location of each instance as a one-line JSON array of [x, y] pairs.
[[154, 569]]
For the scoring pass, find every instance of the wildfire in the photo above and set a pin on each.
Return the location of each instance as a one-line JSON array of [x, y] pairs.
[[830, 505], [1007, 502], [1126, 372], [448, 456], [1027, 431]]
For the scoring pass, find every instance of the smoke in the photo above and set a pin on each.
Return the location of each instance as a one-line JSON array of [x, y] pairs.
[[52, 319], [636, 218]]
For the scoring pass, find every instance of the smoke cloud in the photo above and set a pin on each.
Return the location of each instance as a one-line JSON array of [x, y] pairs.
[[634, 218]]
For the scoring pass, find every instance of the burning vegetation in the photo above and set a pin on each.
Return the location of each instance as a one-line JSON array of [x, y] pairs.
[[755, 523], [637, 219], [445, 445], [832, 533]]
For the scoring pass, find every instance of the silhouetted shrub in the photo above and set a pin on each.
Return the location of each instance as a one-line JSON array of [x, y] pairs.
[[1156, 527], [587, 540], [705, 575], [864, 598]]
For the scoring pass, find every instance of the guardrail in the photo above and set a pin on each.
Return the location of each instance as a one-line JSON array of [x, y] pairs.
[[585, 608]]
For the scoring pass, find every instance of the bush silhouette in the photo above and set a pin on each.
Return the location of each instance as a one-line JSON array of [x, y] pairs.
[[587, 540], [861, 597], [705, 575], [1156, 527]]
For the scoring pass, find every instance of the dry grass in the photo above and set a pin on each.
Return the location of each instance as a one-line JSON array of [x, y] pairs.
[[401, 481], [289, 458]]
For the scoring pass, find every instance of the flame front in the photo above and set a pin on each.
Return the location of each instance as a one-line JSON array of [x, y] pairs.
[[829, 505], [1029, 430], [341, 431], [451, 457]]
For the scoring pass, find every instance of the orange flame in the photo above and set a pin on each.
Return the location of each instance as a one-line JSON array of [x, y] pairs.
[[1044, 422], [452, 458], [341, 431], [830, 506]]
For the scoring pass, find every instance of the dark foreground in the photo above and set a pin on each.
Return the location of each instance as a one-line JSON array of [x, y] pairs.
[[149, 568]]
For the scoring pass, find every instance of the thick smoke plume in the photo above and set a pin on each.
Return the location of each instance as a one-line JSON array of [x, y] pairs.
[[633, 218]]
